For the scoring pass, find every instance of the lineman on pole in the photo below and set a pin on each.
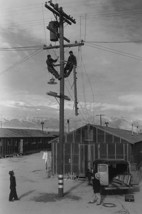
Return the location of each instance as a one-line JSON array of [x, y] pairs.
[[70, 64], [50, 66]]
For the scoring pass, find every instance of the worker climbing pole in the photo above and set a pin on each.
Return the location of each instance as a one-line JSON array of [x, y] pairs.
[[50, 66], [57, 33], [70, 63]]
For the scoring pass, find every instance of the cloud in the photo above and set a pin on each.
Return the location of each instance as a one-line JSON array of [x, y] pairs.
[[127, 18], [134, 100], [116, 107], [11, 38], [106, 106]]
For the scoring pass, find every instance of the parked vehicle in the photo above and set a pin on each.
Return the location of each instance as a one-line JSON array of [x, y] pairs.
[[117, 174]]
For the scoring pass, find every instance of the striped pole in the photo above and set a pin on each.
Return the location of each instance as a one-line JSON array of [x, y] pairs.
[[60, 185]]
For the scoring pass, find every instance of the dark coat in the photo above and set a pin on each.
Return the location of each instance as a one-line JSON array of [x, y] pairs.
[[50, 62], [12, 182], [13, 193], [96, 183], [72, 60]]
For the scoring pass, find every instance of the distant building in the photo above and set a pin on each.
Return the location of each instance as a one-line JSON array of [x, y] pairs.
[[24, 141], [90, 142]]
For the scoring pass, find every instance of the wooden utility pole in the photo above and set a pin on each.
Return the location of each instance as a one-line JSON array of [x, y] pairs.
[[63, 17], [61, 118], [68, 124], [100, 115], [75, 91], [42, 125]]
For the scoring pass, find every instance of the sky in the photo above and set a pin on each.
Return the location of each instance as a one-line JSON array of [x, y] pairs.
[[109, 64]]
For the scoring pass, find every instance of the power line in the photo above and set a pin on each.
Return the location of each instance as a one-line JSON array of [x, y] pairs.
[[22, 48], [115, 51], [89, 85], [19, 9], [22, 61], [81, 108], [34, 6], [112, 13], [83, 86], [44, 23], [124, 41]]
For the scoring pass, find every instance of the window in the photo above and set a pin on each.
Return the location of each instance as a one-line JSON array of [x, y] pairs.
[[102, 168]]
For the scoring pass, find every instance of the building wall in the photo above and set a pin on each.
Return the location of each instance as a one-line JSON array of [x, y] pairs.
[[11, 146], [138, 153], [87, 144]]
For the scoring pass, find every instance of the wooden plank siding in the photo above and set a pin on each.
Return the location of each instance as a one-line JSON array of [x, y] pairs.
[[138, 154], [16, 141], [90, 143]]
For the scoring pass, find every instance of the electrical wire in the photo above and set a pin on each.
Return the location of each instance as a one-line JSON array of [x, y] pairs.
[[86, 15], [80, 27], [44, 24], [112, 13], [38, 22], [115, 51], [85, 29], [82, 115], [22, 61], [23, 8], [84, 95], [36, 5], [91, 90], [71, 94], [81, 109], [124, 41], [22, 48]]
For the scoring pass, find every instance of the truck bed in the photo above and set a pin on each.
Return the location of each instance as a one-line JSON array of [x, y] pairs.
[[111, 187], [120, 182]]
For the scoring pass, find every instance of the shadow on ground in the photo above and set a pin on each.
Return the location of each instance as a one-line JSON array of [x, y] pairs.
[[74, 187], [52, 197], [25, 194]]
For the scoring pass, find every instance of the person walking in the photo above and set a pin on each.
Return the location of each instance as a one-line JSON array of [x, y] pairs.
[[96, 187], [13, 193], [70, 64], [50, 66]]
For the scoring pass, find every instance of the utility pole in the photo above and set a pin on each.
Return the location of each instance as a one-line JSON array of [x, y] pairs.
[[100, 115], [132, 129], [68, 123], [42, 125], [61, 118], [62, 17], [75, 92]]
